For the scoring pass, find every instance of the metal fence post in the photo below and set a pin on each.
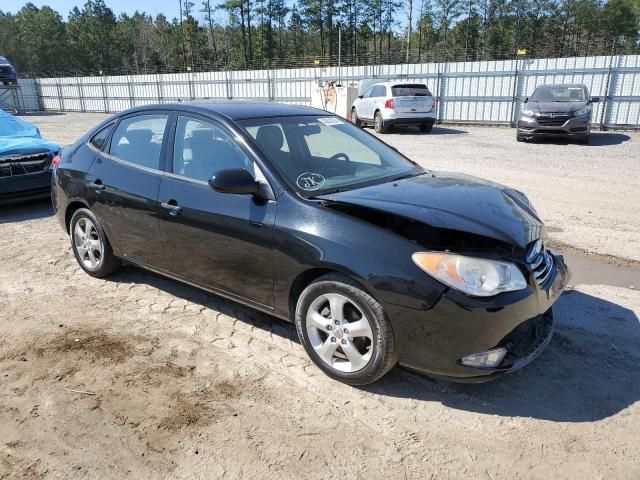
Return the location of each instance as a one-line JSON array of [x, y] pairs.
[[60, 97], [610, 90], [38, 93], [80, 93], [442, 86], [228, 84], [104, 95], [159, 88], [130, 87]]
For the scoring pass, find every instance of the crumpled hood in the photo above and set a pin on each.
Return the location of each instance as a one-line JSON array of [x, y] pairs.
[[18, 137], [555, 107], [453, 201]]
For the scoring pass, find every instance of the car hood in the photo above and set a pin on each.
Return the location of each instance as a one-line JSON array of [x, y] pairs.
[[555, 107], [18, 137], [455, 202]]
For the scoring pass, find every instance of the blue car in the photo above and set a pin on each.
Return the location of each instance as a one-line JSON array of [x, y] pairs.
[[8, 75], [25, 161]]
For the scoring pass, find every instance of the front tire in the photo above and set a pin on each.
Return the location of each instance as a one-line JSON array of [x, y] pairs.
[[345, 331], [90, 245], [378, 124]]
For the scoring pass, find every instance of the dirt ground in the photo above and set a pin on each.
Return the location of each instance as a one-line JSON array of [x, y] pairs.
[[136, 376]]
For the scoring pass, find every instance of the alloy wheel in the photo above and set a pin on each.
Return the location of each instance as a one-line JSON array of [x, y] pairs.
[[339, 332], [87, 243]]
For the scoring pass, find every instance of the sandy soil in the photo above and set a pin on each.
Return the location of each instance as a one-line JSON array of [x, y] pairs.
[[136, 376]]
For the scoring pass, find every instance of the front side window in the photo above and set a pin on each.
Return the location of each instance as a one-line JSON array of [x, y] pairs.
[[327, 153], [139, 140], [201, 149]]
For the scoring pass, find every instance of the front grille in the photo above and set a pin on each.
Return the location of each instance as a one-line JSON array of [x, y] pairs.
[[4, 69], [25, 165], [555, 121], [541, 263]]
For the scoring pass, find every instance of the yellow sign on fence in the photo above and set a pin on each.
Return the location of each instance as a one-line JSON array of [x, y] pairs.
[[522, 51]]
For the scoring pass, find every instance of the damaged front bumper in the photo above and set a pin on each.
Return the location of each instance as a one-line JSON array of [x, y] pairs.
[[434, 341], [25, 177]]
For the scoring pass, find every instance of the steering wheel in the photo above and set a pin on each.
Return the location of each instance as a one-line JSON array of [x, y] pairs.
[[338, 156]]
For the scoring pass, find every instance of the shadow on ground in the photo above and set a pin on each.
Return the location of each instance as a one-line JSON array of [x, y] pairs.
[[436, 131], [596, 139], [589, 371], [30, 210]]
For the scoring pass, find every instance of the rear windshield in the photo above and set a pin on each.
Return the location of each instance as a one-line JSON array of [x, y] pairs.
[[410, 90]]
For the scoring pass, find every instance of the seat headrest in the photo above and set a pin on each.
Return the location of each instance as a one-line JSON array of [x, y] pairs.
[[202, 134], [139, 135], [270, 137]]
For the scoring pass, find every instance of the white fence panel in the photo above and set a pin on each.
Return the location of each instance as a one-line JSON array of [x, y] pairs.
[[483, 92]]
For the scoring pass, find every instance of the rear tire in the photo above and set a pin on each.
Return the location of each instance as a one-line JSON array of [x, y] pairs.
[[90, 245], [345, 331], [378, 124], [426, 127]]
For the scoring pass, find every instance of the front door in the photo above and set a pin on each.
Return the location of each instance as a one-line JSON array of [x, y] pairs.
[[220, 240], [123, 185]]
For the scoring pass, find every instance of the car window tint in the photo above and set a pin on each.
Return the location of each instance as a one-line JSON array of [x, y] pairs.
[[100, 138], [410, 90], [139, 140], [341, 143], [201, 149]]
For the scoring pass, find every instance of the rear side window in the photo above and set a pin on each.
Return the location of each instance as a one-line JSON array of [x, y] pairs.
[[139, 140], [379, 91], [410, 90], [100, 139]]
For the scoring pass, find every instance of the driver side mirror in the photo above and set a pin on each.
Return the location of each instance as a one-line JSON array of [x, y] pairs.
[[361, 96], [595, 99], [234, 180], [526, 99]]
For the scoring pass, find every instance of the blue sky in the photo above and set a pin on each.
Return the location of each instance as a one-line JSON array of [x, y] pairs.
[[63, 7]]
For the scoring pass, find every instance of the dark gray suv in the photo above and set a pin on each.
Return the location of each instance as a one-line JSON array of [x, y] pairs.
[[557, 110]]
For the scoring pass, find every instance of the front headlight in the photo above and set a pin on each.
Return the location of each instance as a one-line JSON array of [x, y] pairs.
[[581, 112], [474, 276], [528, 113], [12, 68]]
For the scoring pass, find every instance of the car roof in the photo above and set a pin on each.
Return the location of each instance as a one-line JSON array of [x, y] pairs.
[[237, 109]]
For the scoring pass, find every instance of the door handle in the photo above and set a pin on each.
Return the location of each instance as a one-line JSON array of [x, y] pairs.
[[97, 185], [172, 206]]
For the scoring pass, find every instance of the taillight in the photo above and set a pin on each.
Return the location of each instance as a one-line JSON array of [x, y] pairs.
[[434, 105], [56, 160], [388, 103]]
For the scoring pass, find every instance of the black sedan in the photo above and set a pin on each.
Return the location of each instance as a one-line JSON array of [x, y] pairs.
[[296, 212]]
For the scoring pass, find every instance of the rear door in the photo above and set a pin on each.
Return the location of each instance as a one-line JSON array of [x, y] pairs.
[[366, 106], [214, 239], [123, 184], [412, 98]]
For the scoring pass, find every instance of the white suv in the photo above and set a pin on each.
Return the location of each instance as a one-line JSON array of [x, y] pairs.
[[386, 104]]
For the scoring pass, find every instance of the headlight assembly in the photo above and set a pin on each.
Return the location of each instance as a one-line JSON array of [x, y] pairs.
[[528, 113], [581, 112], [474, 276]]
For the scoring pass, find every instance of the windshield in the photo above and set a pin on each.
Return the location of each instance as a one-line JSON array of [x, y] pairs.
[[324, 154], [559, 94], [410, 90], [3, 60]]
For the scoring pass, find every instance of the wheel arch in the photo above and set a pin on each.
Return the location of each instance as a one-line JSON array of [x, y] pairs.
[[307, 277], [72, 207]]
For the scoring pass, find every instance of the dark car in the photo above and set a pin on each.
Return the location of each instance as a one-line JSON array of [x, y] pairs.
[[300, 214], [8, 75], [557, 111], [25, 161]]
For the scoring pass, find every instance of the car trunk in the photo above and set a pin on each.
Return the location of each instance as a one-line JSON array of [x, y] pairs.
[[412, 98]]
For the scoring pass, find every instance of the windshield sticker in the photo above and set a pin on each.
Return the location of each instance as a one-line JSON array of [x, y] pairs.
[[330, 121], [310, 181]]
